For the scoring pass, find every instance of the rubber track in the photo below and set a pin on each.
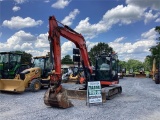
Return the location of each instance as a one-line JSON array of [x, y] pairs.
[[113, 92]]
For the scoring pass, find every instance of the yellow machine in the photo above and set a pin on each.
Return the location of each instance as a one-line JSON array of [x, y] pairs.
[[75, 77], [154, 70], [33, 78], [29, 78], [155, 73]]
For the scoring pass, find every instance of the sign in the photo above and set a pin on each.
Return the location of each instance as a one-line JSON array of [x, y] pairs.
[[94, 93]]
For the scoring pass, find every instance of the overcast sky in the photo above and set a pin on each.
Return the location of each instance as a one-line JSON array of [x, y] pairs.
[[126, 25]]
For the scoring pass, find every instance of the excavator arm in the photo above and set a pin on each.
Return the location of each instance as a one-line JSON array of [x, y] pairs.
[[56, 31], [51, 96]]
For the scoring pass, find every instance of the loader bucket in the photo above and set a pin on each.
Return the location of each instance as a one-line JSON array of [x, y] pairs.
[[59, 100], [12, 85]]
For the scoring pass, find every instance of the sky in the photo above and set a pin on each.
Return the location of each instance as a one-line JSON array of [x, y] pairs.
[[125, 25]]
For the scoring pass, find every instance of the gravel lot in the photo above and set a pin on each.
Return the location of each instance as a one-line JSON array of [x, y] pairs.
[[140, 100]]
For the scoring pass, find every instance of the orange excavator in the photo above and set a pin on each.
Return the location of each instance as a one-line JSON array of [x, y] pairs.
[[107, 74]]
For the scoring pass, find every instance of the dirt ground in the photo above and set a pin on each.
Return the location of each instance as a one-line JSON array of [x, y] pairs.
[[140, 100]]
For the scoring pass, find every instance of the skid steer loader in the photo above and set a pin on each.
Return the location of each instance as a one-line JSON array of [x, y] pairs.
[[77, 76], [33, 78]]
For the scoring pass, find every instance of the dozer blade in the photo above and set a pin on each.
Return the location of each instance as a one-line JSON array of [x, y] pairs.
[[59, 100], [112, 91], [12, 85], [140, 75], [75, 91]]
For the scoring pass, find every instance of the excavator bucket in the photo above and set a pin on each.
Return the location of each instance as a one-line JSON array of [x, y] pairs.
[[12, 85], [59, 100]]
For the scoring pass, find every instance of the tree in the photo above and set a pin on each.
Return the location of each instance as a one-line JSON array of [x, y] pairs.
[[147, 64], [123, 64], [155, 50], [99, 49], [67, 60], [134, 64], [26, 57], [157, 29]]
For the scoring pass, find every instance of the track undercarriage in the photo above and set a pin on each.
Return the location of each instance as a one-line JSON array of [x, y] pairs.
[[112, 91]]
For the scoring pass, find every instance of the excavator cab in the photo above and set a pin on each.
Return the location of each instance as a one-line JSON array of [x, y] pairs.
[[106, 69]]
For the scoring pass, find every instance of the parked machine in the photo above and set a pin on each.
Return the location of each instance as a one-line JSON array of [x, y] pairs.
[[76, 76], [141, 73], [32, 78], [155, 73], [106, 66], [130, 73], [120, 72], [10, 65], [28, 78], [124, 71]]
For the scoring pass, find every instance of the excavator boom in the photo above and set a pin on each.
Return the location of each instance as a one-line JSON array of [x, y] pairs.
[[56, 31]]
